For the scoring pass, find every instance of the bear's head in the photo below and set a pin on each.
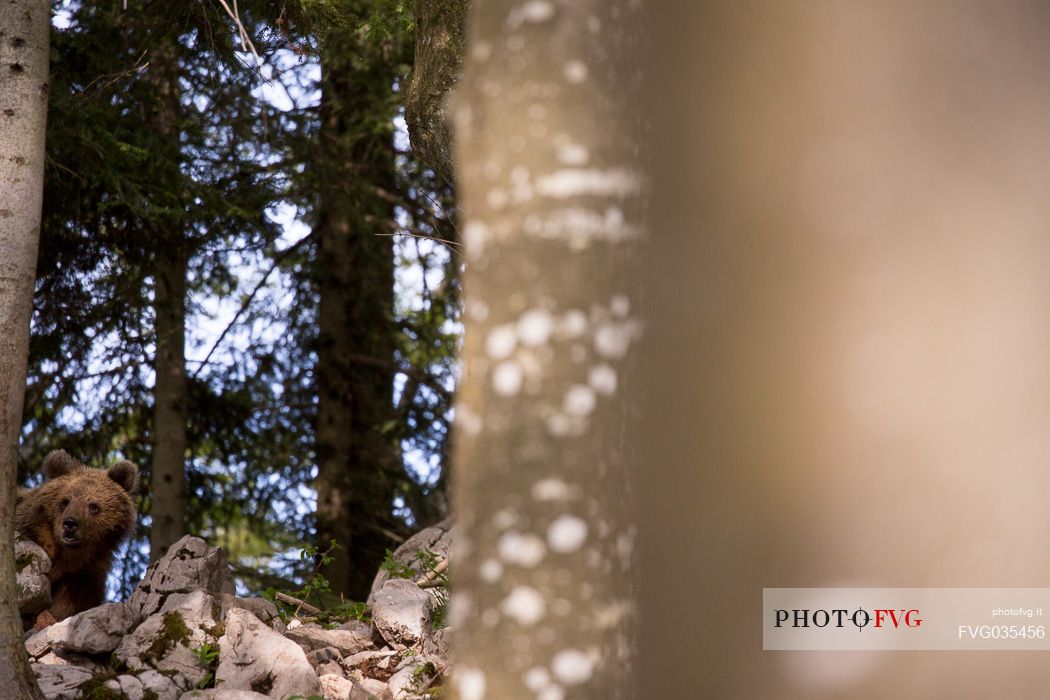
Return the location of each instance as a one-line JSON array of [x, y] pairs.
[[87, 507]]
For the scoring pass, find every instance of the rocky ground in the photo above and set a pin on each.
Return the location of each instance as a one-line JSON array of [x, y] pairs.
[[184, 635]]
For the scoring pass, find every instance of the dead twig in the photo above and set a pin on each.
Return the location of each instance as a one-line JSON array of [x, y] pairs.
[[301, 604], [430, 578]]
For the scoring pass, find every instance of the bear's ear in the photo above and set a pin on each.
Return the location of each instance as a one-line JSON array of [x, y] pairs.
[[59, 463], [126, 474]]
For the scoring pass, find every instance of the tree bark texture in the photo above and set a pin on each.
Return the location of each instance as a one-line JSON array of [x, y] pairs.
[[357, 455], [551, 173], [24, 47], [168, 473], [440, 35]]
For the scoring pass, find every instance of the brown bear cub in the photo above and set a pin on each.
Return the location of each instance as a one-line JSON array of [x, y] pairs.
[[79, 516]]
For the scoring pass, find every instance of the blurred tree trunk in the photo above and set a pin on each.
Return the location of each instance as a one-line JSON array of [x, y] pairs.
[[851, 326], [24, 49], [357, 454], [550, 170], [168, 481]]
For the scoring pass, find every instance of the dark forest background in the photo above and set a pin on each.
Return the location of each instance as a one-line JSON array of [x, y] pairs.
[[247, 282]]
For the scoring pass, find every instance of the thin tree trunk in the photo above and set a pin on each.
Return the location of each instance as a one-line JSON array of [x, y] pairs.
[[357, 453], [550, 171], [24, 48], [169, 417], [168, 481]]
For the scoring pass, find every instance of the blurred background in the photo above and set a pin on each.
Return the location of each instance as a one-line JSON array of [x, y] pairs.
[[850, 384]]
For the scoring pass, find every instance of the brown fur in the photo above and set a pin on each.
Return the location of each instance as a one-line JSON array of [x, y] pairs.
[[79, 516]]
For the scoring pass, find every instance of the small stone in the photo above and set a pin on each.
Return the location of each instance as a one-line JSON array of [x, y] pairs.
[[362, 629], [436, 538], [335, 687], [411, 678], [59, 682], [402, 613], [312, 637], [370, 689], [38, 643], [128, 687], [263, 609], [160, 685], [223, 694], [366, 657], [323, 656], [331, 668], [71, 659]]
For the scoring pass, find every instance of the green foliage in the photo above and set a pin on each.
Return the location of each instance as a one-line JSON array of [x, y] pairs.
[[395, 568], [208, 655], [95, 689], [317, 583], [314, 592], [355, 610], [429, 561], [376, 20], [422, 675], [117, 664]]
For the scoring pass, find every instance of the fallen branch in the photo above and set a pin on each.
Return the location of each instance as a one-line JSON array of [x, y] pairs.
[[302, 604], [430, 578]]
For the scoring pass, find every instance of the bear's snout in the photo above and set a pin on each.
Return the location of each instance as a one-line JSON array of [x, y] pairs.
[[70, 529]]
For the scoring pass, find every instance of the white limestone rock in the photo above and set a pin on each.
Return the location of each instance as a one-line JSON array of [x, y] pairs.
[[95, 631], [254, 657], [61, 682], [165, 641], [32, 567], [335, 687], [312, 637], [189, 565], [402, 612], [436, 538], [223, 694]]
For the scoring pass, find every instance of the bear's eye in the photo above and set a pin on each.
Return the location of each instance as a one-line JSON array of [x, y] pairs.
[[65, 502], [93, 508]]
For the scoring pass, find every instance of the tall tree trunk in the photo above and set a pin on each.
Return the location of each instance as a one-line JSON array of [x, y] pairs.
[[168, 481], [440, 32], [24, 48], [550, 171], [357, 455]]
